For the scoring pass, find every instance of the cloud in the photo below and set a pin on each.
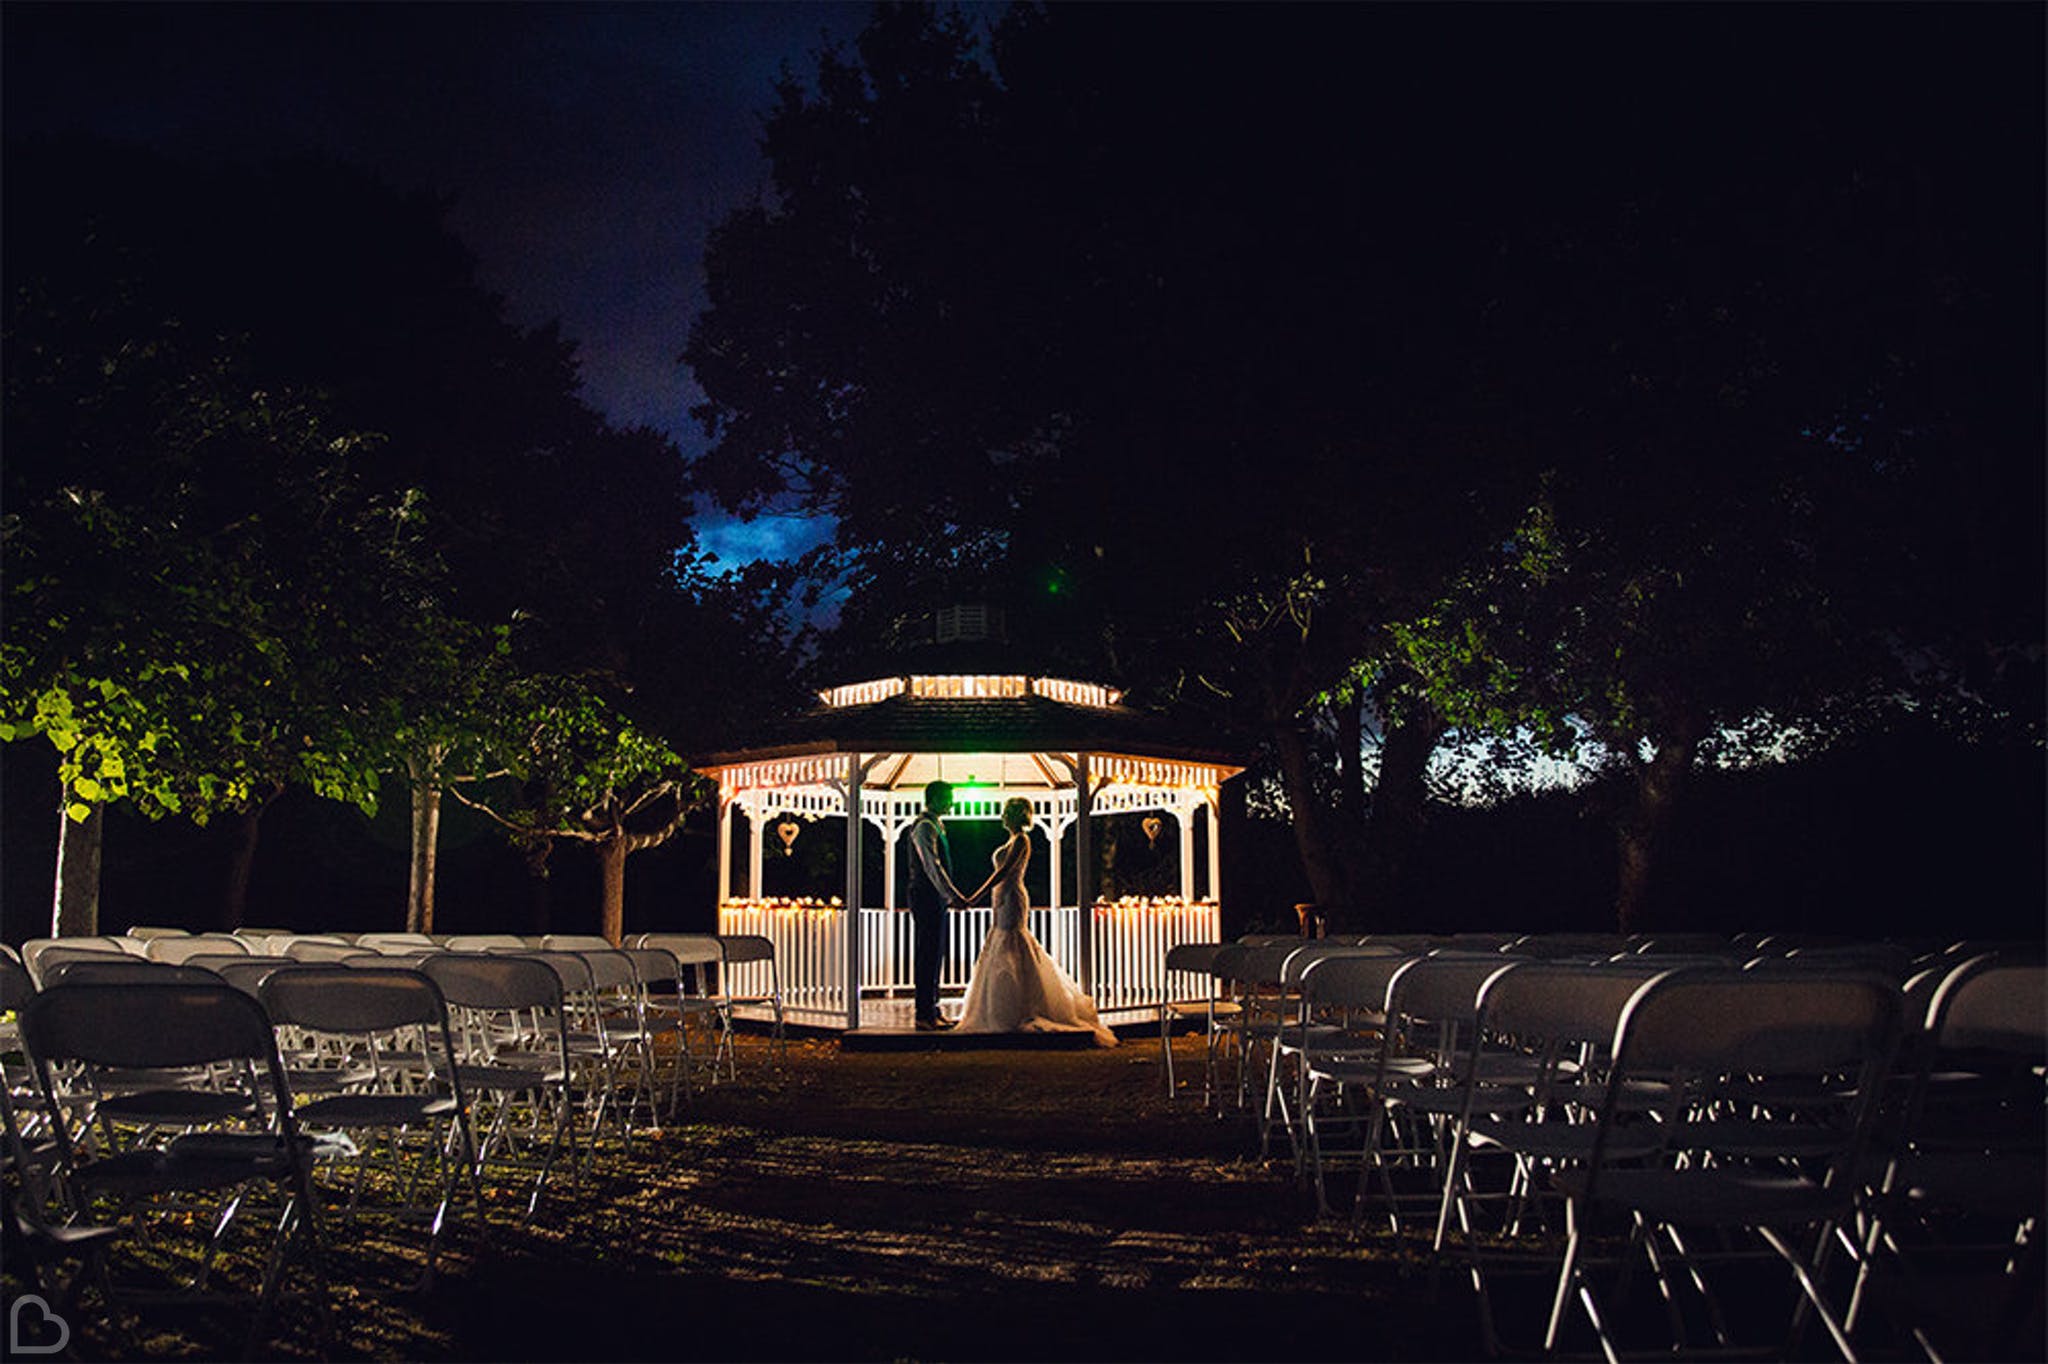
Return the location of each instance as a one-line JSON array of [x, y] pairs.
[[732, 542]]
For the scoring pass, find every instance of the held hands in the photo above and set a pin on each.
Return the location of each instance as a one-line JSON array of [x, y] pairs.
[[959, 902]]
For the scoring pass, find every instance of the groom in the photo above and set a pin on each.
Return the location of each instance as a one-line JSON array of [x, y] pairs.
[[932, 893]]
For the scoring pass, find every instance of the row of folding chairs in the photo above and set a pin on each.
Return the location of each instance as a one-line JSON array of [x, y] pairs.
[[421, 1070], [1596, 1115], [718, 973]]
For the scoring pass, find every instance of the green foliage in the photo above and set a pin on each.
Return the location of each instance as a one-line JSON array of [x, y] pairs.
[[188, 565], [573, 766]]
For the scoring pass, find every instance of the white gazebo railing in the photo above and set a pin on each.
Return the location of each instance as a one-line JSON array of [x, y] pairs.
[[1131, 940]]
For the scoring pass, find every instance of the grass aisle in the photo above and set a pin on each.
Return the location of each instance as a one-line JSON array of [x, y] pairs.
[[990, 1206]]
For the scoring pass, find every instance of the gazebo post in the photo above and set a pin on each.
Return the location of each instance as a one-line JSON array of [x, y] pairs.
[[1184, 813], [889, 832], [1084, 872], [1214, 801], [1052, 865], [853, 887], [725, 805], [756, 819]]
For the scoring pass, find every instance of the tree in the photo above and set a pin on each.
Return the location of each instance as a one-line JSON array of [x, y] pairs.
[[327, 283], [1012, 320], [179, 549], [581, 771]]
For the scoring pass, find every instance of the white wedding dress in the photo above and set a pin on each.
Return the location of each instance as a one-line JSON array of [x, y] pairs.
[[1016, 986]]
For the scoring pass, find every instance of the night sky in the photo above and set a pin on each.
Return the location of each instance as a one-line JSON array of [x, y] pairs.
[[587, 148]]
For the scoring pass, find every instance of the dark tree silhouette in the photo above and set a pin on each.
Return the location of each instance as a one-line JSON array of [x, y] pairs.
[[1264, 362]]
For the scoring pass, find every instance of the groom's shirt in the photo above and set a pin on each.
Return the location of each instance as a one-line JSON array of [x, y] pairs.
[[934, 857]]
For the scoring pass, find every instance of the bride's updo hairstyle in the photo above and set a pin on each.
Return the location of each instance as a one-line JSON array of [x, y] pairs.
[[1017, 814]]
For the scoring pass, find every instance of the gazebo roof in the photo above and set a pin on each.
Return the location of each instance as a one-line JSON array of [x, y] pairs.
[[1013, 714]]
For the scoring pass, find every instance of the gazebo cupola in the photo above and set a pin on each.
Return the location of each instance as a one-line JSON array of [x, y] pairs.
[[963, 711]]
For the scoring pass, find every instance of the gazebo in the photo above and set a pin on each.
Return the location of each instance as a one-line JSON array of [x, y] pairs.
[[863, 756]]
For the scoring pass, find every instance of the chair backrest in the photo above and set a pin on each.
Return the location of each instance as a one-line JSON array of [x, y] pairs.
[[654, 966], [177, 950], [576, 942], [1310, 951], [1884, 958], [571, 968], [126, 971], [146, 933], [485, 942], [1255, 965], [1685, 944], [214, 961], [308, 949], [33, 951], [341, 999], [744, 947], [370, 961], [1444, 987], [1482, 942], [689, 949], [1746, 1022], [247, 974], [394, 944], [477, 980], [1992, 1003], [1556, 945], [610, 969], [1353, 982], [1563, 1001], [47, 958], [1411, 944], [148, 1025], [16, 985], [261, 933], [1193, 957]]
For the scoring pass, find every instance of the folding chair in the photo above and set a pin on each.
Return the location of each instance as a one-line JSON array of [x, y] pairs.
[[1351, 988], [489, 942], [1428, 1071], [1290, 1042], [751, 977], [625, 1037], [176, 951], [1247, 975], [511, 1032], [395, 944], [34, 1242], [107, 1029], [39, 955], [695, 957], [576, 942], [63, 969], [1194, 960], [318, 950], [1952, 1248], [1785, 1172], [394, 1048]]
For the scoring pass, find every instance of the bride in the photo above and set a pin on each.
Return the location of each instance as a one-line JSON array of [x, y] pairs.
[[1016, 987]]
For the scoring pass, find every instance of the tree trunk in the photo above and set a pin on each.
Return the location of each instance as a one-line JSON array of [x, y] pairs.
[[246, 831], [611, 862], [426, 837], [1399, 802], [1640, 838], [1312, 841], [75, 910], [535, 854]]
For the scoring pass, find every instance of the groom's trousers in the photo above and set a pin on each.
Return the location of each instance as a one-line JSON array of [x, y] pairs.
[[928, 918]]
